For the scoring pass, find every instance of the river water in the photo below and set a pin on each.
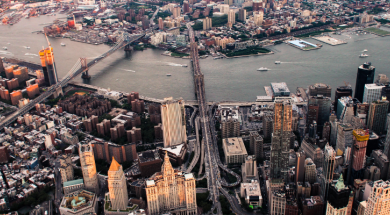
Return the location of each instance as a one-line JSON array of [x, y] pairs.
[[225, 79]]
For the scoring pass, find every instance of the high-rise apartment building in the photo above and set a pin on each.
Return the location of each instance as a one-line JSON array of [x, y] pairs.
[[173, 122], [249, 169], [310, 171], [117, 187], [242, 14], [160, 23], [379, 201], [372, 92], [207, 23], [171, 191], [230, 128], [377, 113], [88, 167], [280, 143], [256, 144], [365, 75], [66, 168], [258, 18], [312, 114], [342, 91], [228, 2], [176, 12], [338, 199], [382, 161], [232, 17]]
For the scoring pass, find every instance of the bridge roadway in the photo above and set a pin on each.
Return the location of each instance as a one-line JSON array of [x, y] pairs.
[[212, 161], [212, 170], [74, 72]]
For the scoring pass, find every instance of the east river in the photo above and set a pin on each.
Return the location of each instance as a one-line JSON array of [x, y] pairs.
[[225, 79]]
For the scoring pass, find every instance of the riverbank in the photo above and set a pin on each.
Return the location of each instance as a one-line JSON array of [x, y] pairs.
[[251, 55]]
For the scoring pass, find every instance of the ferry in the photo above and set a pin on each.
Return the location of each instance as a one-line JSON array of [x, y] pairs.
[[277, 62], [184, 65], [28, 47], [63, 44], [363, 55], [365, 50], [5, 48], [262, 69], [169, 75]]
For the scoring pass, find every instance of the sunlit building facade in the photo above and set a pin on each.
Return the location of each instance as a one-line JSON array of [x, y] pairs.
[[171, 191]]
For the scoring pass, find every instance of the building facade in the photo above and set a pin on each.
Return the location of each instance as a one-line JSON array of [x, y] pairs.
[[256, 144], [171, 191], [379, 201], [173, 122], [365, 75], [66, 168], [88, 167], [280, 143], [117, 187]]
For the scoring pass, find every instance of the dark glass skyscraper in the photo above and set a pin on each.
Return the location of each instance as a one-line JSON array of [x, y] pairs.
[[365, 75]]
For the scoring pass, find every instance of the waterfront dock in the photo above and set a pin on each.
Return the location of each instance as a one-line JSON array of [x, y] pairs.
[[329, 40], [303, 45]]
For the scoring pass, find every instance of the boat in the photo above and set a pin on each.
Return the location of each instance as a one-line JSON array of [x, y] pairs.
[[5, 48], [184, 65], [363, 55], [63, 44], [168, 75], [365, 50], [277, 62], [28, 47], [262, 69]]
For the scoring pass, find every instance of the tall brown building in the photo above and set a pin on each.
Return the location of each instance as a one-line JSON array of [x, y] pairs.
[[280, 143]]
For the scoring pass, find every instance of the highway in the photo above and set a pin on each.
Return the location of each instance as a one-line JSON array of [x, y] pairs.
[[76, 70], [197, 149]]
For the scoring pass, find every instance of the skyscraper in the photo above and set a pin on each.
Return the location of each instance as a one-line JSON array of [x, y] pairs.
[[342, 91], [386, 150], [117, 187], [310, 171], [280, 142], [88, 167], [258, 18], [256, 144], [249, 170], [320, 89], [328, 170], [372, 92], [160, 23], [378, 202], [173, 122], [232, 17], [207, 23], [171, 190], [338, 198], [365, 75], [360, 138], [242, 14], [377, 113], [324, 104], [300, 167]]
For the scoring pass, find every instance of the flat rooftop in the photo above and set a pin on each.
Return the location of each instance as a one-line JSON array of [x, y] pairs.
[[149, 155], [302, 43], [234, 146]]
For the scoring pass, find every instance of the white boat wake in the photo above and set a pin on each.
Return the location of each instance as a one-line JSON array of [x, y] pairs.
[[30, 54], [5, 53], [129, 70]]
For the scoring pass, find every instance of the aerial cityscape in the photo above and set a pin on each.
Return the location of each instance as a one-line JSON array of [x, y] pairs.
[[185, 107]]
